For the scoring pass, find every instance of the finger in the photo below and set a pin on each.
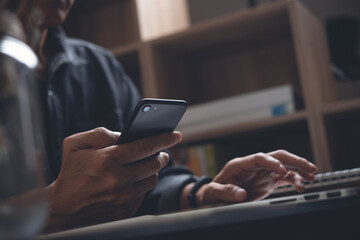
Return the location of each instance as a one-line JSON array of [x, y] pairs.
[[295, 180], [294, 161], [145, 147], [262, 160], [140, 188], [145, 168], [307, 176], [96, 138], [217, 192]]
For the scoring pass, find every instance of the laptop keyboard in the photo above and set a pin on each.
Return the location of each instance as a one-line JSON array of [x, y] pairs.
[[324, 181]]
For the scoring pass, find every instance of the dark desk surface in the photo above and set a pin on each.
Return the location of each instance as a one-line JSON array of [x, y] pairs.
[[322, 215]]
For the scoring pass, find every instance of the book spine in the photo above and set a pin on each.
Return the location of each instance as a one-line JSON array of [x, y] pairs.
[[211, 161], [193, 160], [236, 104]]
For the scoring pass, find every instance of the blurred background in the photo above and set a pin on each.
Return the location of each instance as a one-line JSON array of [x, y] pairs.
[[258, 75]]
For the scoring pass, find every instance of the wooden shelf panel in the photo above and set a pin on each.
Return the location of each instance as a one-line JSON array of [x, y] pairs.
[[341, 107], [246, 26], [224, 131], [126, 48]]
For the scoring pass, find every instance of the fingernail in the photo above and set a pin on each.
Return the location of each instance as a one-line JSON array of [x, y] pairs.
[[300, 185], [283, 168], [313, 166], [240, 194], [177, 134]]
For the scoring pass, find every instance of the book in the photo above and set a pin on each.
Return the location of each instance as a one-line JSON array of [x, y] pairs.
[[211, 160], [236, 118], [269, 102], [205, 159], [193, 160]]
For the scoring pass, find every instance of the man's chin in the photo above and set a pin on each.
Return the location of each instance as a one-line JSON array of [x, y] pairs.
[[54, 20]]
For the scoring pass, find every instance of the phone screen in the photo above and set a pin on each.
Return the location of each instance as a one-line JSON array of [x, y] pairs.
[[152, 117]]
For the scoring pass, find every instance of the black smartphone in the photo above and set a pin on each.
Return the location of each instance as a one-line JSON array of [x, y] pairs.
[[152, 117]]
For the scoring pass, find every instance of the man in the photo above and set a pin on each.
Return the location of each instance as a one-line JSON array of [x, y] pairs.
[[94, 180]]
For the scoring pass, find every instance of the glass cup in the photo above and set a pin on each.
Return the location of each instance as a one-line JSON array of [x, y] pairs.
[[23, 202]]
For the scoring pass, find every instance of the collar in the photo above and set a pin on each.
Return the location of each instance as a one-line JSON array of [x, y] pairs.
[[62, 51]]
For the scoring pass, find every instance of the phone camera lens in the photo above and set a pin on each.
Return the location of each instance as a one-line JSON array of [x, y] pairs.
[[146, 108]]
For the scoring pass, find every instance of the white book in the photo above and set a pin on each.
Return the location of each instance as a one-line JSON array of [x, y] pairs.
[[236, 119], [254, 103]]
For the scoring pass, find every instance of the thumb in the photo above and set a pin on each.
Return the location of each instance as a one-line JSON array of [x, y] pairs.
[[96, 138], [217, 193]]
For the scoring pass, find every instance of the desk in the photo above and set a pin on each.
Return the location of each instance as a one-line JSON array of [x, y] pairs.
[[324, 217]]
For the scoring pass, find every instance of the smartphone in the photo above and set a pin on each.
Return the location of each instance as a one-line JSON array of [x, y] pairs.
[[152, 117]]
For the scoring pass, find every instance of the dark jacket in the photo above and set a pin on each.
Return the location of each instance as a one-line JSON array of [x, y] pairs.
[[86, 88]]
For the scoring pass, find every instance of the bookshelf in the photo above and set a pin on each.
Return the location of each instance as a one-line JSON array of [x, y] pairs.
[[254, 49]]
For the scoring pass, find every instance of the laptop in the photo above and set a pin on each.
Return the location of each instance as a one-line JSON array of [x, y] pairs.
[[296, 211]]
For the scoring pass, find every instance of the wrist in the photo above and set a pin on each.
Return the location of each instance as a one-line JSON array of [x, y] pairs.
[[55, 220], [200, 195], [195, 197], [184, 202]]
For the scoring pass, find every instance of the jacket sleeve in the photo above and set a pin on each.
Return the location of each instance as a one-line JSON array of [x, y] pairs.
[[165, 197]]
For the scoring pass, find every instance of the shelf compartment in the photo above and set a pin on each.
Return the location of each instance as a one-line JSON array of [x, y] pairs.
[[128, 56], [342, 121], [94, 21], [240, 53], [290, 133]]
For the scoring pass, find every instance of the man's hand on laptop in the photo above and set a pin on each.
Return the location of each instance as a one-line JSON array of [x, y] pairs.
[[255, 176]]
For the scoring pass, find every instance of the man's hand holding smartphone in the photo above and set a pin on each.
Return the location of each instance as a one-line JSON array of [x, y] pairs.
[[100, 181]]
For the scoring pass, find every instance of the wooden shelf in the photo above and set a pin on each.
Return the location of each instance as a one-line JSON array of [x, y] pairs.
[[266, 19], [126, 49], [341, 107], [221, 58]]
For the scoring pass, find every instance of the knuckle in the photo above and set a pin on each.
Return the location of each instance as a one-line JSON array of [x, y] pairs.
[[259, 158], [102, 135], [145, 147], [260, 155], [281, 152], [157, 165], [67, 142], [100, 130], [228, 187]]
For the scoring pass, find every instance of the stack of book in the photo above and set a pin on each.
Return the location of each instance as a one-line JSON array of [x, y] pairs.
[[267, 103]]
